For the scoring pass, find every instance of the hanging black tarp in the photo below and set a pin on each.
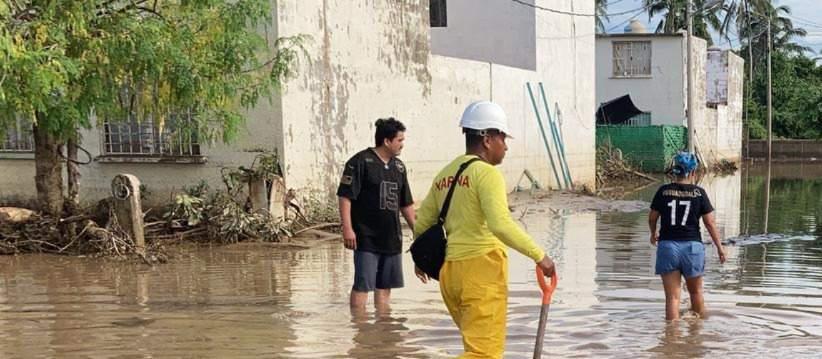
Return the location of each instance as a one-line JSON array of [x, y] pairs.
[[617, 111]]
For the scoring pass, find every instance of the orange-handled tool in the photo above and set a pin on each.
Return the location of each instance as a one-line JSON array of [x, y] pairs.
[[547, 292]]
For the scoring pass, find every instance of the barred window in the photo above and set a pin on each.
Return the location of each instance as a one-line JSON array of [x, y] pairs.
[[18, 137], [632, 58], [438, 13], [643, 119], [145, 138]]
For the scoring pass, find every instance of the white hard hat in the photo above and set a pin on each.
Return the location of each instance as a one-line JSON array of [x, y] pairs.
[[484, 115]]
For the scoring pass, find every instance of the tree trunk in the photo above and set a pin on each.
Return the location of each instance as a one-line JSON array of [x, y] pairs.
[[48, 177], [73, 181], [73, 172]]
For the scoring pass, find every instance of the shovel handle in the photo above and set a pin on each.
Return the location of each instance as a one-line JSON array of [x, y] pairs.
[[547, 290]]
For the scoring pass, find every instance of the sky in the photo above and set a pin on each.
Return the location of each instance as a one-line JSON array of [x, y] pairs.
[[806, 14]]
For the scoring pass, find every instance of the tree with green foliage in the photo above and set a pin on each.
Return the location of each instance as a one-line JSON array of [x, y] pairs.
[[674, 16], [601, 15], [71, 64], [797, 98], [797, 85], [783, 33]]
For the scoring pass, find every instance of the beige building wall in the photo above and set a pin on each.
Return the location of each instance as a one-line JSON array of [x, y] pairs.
[[663, 93], [368, 60], [161, 179], [729, 141], [718, 126], [721, 137], [360, 71]]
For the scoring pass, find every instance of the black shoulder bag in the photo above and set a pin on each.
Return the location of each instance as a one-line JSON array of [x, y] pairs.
[[428, 250]]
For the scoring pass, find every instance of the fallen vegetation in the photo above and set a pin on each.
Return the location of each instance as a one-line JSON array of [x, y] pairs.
[[615, 176], [198, 214]]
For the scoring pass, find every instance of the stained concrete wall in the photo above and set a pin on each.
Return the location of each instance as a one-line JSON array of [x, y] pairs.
[[721, 133], [729, 141], [704, 123], [717, 76], [358, 71], [260, 133], [785, 149], [16, 179]]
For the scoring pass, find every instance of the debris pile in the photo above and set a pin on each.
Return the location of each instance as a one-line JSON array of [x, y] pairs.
[[615, 176], [198, 214]]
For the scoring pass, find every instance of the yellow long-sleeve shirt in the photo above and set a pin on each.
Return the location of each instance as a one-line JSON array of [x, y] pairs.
[[478, 220]]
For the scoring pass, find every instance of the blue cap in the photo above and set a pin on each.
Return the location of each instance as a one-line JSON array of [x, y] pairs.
[[684, 163]]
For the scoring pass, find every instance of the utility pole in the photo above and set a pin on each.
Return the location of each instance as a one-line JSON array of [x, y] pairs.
[[750, 81], [770, 129], [690, 75], [770, 92]]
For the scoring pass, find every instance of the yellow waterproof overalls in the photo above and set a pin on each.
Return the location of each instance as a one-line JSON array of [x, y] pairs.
[[474, 278]]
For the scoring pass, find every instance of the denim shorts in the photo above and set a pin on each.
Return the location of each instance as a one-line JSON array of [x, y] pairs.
[[687, 257], [377, 271]]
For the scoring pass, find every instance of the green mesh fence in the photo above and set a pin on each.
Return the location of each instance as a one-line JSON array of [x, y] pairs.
[[647, 147]]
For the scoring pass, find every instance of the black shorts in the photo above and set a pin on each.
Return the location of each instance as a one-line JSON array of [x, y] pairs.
[[377, 271]]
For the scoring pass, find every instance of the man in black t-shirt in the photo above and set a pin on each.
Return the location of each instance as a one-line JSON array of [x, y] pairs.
[[680, 253], [373, 192]]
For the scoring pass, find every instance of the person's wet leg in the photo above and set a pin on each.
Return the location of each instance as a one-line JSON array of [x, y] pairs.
[[365, 278], [671, 282], [358, 299], [695, 292], [382, 300], [389, 275]]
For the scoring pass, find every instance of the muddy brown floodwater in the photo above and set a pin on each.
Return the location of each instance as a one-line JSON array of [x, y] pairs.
[[253, 301]]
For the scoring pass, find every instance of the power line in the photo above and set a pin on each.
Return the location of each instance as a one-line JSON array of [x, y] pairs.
[[812, 22], [626, 20], [806, 24], [563, 12], [614, 3]]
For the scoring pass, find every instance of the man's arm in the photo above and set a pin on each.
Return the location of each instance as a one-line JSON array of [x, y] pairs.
[[710, 223], [410, 215], [494, 203], [653, 217], [427, 214], [349, 237]]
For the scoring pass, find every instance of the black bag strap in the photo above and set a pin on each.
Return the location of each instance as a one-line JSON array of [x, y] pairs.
[[447, 203]]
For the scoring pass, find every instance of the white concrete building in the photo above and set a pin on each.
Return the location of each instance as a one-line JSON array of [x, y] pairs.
[[369, 60], [651, 68]]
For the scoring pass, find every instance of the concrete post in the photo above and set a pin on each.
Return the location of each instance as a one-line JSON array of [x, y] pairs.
[[125, 189], [258, 193], [276, 200], [271, 202]]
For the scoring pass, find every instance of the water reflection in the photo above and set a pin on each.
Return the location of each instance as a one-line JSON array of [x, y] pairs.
[[795, 192], [725, 193], [683, 339], [380, 336], [257, 301]]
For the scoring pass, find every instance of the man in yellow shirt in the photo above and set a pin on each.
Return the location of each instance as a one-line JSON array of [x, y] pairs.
[[474, 277]]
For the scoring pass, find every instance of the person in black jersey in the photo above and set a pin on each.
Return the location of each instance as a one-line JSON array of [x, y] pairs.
[[373, 191], [680, 252]]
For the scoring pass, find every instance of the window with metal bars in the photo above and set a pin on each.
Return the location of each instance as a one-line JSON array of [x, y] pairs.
[[437, 13], [632, 58], [17, 138], [145, 138], [643, 119]]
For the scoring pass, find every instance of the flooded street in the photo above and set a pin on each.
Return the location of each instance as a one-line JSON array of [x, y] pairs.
[[253, 301]]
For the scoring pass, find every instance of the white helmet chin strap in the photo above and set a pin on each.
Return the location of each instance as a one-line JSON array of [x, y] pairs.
[[482, 133]]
